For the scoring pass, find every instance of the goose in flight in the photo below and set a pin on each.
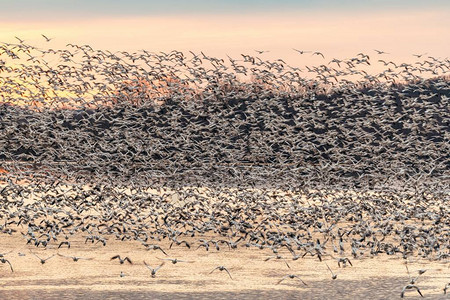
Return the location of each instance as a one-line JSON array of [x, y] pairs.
[[155, 269], [74, 258], [221, 268], [46, 38], [291, 276], [419, 55], [122, 260], [301, 51], [344, 261], [174, 260], [318, 53], [20, 40], [380, 52], [42, 260]]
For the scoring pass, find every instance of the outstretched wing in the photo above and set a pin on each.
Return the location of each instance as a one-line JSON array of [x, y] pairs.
[[230, 274], [282, 279], [301, 280], [159, 267], [129, 260], [162, 251], [150, 268]]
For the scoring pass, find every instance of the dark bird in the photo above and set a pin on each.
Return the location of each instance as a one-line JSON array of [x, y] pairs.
[[64, 243], [122, 260]]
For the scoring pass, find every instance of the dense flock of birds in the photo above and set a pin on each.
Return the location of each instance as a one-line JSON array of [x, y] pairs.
[[192, 151]]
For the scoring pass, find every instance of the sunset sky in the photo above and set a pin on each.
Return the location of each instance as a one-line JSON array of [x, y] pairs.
[[336, 28]]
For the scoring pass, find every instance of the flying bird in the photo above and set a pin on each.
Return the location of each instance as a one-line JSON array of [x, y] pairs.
[[291, 276], [301, 51], [46, 38], [318, 53], [42, 260], [74, 258], [20, 40], [122, 260], [221, 268], [153, 271], [380, 52]]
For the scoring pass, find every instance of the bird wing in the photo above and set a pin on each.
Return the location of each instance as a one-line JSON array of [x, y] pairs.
[[162, 250], [159, 267], [281, 280], [114, 257], [9, 265], [150, 268], [420, 293], [286, 263], [230, 274], [301, 280], [36, 255], [329, 268]]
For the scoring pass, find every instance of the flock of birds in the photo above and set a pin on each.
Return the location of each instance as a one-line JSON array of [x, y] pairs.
[[325, 162]]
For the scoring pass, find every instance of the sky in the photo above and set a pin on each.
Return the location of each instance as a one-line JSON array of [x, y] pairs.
[[336, 28]]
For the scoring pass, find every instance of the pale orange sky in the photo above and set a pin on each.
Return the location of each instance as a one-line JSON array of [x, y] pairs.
[[339, 35]]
